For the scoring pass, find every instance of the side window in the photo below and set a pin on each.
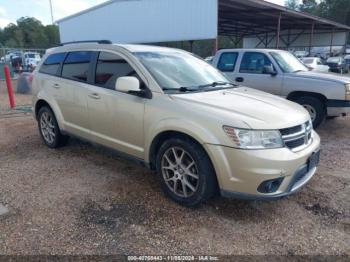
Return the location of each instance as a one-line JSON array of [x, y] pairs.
[[52, 64], [253, 63], [227, 62], [109, 68], [76, 66]]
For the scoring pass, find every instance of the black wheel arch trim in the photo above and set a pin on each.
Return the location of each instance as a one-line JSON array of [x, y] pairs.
[[338, 103]]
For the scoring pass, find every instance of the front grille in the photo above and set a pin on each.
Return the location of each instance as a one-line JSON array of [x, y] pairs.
[[295, 143], [297, 137], [291, 130]]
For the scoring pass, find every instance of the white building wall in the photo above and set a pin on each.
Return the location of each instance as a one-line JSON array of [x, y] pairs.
[[143, 21]]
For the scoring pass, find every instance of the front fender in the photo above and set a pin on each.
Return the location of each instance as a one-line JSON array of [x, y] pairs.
[[201, 134]]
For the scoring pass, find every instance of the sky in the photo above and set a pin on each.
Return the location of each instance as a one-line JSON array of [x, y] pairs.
[[11, 10]]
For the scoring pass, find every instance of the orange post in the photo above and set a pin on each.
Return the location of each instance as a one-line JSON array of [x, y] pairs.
[[9, 86]]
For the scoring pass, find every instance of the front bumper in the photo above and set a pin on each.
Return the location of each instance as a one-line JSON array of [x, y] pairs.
[[338, 108], [241, 172]]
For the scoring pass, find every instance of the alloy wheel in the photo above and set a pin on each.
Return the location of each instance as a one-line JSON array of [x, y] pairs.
[[180, 172], [47, 127]]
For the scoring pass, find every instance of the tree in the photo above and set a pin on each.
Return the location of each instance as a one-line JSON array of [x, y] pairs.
[[309, 6], [292, 4], [336, 10], [33, 32], [29, 33], [52, 34]]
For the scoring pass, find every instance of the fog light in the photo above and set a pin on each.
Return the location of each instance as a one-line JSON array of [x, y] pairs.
[[270, 186]]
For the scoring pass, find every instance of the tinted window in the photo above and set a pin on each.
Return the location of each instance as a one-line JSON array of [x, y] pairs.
[[76, 66], [227, 62], [52, 64], [254, 63], [109, 68]]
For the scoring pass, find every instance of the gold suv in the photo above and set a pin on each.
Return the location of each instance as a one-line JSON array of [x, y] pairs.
[[179, 116]]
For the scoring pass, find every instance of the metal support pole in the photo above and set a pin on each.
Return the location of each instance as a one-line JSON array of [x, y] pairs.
[[346, 41], [52, 20], [216, 45], [191, 46], [278, 31], [331, 47], [288, 39], [311, 37]]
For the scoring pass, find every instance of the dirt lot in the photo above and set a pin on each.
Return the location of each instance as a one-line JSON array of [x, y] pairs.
[[85, 200]]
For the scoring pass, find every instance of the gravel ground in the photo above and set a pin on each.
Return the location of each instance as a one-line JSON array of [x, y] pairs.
[[86, 200], [20, 99]]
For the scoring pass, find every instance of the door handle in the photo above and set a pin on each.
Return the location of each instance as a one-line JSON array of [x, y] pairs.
[[94, 96], [56, 86], [240, 79]]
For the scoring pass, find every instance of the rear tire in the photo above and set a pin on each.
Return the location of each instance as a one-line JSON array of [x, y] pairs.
[[315, 107], [185, 172], [49, 129]]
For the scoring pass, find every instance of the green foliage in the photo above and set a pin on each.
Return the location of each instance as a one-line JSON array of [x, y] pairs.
[[335, 10], [309, 6], [29, 33], [292, 4]]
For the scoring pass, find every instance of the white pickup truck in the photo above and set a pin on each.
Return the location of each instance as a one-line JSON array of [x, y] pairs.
[[281, 73]]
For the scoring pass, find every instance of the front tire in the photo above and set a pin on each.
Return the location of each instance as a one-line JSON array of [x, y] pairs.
[[49, 129], [185, 171], [315, 107]]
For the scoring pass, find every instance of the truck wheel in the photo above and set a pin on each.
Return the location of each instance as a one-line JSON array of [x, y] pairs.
[[315, 107], [185, 171], [49, 130]]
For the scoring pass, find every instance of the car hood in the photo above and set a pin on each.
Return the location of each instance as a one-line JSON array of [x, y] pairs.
[[246, 107], [322, 76]]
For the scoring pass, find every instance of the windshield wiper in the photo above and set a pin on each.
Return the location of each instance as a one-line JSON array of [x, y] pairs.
[[185, 89], [182, 89], [218, 83]]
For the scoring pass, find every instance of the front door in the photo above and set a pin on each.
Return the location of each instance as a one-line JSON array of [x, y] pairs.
[[251, 73], [116, 118]]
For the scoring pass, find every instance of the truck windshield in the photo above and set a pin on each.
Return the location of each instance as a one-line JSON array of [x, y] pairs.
[[288, 62], [183, 72]]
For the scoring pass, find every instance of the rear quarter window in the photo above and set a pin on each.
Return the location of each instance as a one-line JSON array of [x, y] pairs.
[[52, 64]]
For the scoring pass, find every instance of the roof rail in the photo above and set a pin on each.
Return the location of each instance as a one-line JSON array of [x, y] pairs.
[[108, 42]]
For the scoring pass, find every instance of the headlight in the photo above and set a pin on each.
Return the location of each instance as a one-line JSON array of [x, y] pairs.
[[254, 139], [347, 91]]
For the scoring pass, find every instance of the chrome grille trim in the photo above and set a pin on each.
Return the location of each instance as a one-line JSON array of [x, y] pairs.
[[304, 134]]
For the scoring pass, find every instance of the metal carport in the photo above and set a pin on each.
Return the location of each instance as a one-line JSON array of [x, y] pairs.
[[274, 25], [150, 21]]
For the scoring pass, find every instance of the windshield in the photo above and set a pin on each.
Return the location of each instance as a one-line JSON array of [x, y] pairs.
[[308, 61], [334, 60], [175, 71], [288, 62], [33, 56]]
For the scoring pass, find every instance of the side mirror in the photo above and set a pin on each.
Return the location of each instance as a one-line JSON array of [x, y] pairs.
[[269, 70], [127, 84]]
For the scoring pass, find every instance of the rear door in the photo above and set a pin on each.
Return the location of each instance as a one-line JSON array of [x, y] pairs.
[[73, 85], [251, 73]]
